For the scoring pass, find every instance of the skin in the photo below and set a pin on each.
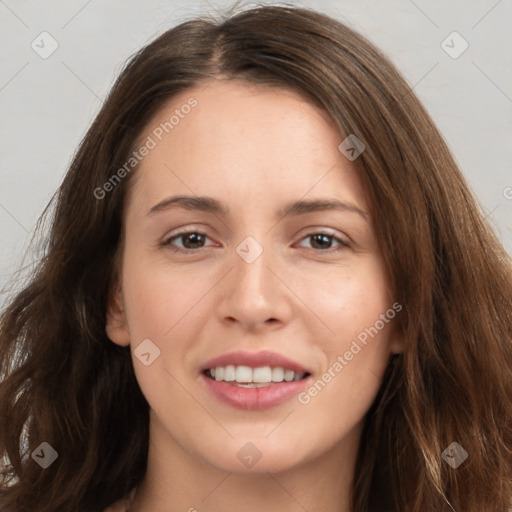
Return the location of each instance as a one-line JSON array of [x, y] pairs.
[[254, 149]]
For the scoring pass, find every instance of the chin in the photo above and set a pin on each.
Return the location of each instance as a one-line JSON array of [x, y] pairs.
[[256, 454]]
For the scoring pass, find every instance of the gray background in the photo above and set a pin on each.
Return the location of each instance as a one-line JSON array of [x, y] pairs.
[[46, 105]]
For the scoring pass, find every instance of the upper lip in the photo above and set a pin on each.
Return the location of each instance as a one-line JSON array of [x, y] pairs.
[[254, 360]]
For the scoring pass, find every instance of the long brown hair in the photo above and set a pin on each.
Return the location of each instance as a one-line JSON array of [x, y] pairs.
[[65, 383]]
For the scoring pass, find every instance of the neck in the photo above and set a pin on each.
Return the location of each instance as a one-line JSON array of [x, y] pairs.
[[176, 480]]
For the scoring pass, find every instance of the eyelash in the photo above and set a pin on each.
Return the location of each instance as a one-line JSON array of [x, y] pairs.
[[168, 242]]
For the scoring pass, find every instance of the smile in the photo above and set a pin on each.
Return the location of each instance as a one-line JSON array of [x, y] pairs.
[[253, 380], [245, 376]]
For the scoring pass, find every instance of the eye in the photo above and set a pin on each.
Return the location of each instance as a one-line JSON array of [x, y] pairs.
[[191, 240], [323, 241]]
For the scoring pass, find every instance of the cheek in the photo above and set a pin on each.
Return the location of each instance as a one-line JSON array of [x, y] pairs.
[[342, 394], [347, 299], [166, 305], [356, 308], [160, 297]]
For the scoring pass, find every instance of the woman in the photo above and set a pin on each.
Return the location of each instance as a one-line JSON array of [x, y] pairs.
[[189, 343]]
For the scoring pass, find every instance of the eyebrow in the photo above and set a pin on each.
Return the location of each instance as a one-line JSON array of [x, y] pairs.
[[211, 205]]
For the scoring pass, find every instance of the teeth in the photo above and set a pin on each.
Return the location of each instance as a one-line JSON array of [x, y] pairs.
[[277, 374], [243, 374], [229, 373], [263, 374], [219, 373], [246, 376]]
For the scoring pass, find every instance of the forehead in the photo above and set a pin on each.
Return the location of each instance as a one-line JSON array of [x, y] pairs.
[[236, 138]]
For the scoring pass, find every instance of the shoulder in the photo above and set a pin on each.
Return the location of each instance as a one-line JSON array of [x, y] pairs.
[[122, 505]]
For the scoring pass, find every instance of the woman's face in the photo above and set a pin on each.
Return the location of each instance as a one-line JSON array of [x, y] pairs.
[[234, 280]]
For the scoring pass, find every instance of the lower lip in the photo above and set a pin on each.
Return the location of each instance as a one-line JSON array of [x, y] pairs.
[[254, 398]]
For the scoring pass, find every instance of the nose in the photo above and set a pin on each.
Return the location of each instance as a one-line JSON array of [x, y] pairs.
[[254, 294]]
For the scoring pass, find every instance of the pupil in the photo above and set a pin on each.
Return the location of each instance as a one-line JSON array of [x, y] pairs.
[[325, 238], [195, 237]]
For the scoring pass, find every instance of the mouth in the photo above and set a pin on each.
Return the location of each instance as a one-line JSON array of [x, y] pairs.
[[253, 380], [259, 377]]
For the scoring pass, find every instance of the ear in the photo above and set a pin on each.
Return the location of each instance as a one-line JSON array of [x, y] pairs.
[[397, 340], [117, 326]]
